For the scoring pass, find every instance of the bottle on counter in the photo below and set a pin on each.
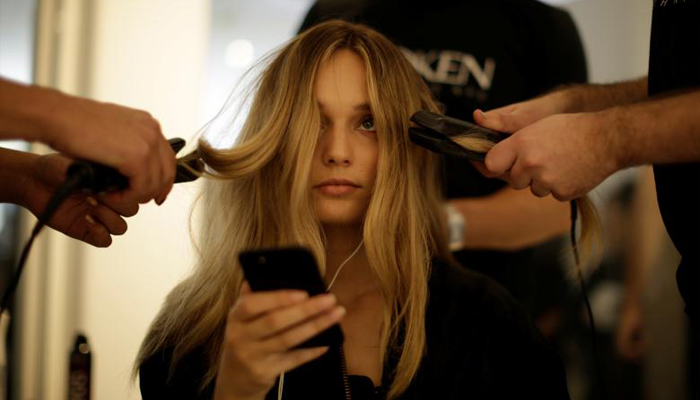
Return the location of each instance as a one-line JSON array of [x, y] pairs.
[[79, 374]]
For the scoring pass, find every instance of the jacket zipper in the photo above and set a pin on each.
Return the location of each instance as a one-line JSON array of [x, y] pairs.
[[344, 367]]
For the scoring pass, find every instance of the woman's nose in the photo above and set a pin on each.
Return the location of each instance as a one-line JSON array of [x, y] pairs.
[[337, 149]]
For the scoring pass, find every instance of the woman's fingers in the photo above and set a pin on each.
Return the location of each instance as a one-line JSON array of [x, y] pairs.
[[299, 334], [283, 319], [293, 359], [252, 305]]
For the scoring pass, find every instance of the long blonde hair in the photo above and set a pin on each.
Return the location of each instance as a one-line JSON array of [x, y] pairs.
[[261, 198]]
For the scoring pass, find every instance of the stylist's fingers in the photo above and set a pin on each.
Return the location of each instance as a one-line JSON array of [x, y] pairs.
[[517, 116], [95, 233], [114, 223], [540, 189], [505, 119], [520, 177], [500, 158], [143, 166], [494, 119], [116, 202], [167, 159]]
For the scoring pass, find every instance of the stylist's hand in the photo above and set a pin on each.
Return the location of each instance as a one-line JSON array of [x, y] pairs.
[[89, 219], [566, 155], [126, 139], [261, 330], [517, 116]]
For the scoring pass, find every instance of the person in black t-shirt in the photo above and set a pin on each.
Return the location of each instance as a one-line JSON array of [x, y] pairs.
[[567, 142], [485, 54]]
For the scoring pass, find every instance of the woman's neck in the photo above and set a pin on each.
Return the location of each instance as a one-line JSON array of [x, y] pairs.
[[356, 275]]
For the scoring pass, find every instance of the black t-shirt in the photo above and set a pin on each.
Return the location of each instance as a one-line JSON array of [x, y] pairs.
[[480, 54], [674, 64], [480, 345], [473, 54]]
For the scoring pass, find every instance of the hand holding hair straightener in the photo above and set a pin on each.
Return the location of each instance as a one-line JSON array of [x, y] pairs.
[[86, 178]]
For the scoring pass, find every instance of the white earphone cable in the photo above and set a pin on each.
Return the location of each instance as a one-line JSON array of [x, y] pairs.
[[280, 388], [343, 264]]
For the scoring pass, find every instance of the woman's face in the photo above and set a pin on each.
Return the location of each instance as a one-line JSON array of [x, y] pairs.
[[345, 158]]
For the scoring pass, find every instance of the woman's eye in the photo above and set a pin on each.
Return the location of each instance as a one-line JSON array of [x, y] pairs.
[[367, 124]]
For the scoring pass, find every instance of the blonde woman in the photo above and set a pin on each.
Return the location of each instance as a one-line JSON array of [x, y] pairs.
[[324, 161]]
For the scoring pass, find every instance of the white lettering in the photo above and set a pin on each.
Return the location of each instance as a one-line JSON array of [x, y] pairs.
[[451, 67]]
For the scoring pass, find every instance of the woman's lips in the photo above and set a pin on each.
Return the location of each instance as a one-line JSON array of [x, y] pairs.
[[336, 190], [337, 187]]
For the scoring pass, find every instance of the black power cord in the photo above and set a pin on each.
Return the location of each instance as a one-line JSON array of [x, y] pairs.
[[584, 292], [79, 174], [95, 178]]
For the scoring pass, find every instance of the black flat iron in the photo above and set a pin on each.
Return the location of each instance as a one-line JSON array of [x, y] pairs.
[[434, 132], [187, 163]]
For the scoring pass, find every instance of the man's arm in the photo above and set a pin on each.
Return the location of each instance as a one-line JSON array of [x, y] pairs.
[[126, 139], [511, 220], [642, 246], [569, 154], [563, 100], [25, 111], [657, 131], [13, 168]]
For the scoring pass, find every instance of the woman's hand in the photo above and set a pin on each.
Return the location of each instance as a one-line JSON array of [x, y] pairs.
[[79, 216], [262, 330]]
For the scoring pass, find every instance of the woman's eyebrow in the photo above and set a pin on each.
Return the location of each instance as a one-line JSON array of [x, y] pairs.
[[362, 107], [359, 107]]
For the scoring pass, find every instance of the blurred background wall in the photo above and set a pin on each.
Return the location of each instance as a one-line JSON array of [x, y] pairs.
[[180, 59]]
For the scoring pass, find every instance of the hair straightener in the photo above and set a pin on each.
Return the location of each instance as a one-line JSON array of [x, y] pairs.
[[435, 133], [97, 178], [94, 178]]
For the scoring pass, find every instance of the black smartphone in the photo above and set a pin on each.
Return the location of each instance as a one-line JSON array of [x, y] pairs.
[[288, 268]]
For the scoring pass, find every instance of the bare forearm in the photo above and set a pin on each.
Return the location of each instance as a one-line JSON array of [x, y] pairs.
[[25, 111], [644, 241], [590, 98], [13, 168], [511, 219], [656, 131]]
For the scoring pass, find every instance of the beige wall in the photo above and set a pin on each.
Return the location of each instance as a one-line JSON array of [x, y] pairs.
[[615, 36], [142, 54], [149, 55]]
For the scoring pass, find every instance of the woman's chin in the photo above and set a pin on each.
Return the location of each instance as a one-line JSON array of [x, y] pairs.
[[340, 211], [339, 220], [339, 217]]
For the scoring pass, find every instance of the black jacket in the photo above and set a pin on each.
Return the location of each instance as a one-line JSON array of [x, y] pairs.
[[480, 345]]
